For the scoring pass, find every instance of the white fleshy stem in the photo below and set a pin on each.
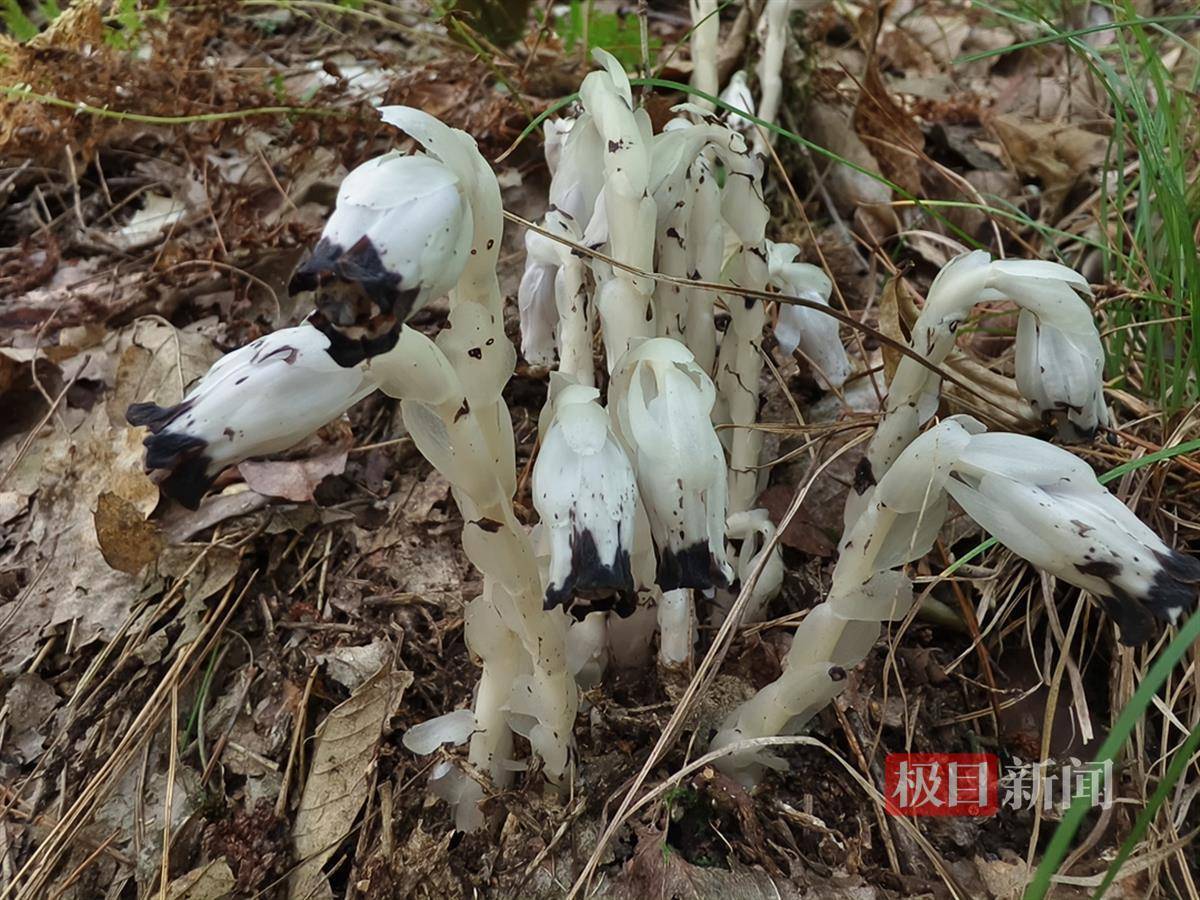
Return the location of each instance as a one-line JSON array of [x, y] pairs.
[[770, 66], [629, 639], [755, 530], [452, 407], [676, 626], [502, 660], [706, 32], [739, 365], [587, 649], [574, 312], [898, 526], [624, 301], [706, 252]]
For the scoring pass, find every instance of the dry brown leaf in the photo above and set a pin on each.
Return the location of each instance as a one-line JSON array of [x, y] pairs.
[[157, 362], [293, 480], [654, 872], [340, 776], [889, 132], [213, 881], [210, 574], [12, 504], [351, 666], [830, 126], [29, 703], [128, 542], [1056, 154], [802, 533], [889, 324]]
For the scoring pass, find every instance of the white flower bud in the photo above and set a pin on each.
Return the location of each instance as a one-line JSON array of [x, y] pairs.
[[402, 230], [662, 404], [738, 95], [1045, 504], [814, 333], [535, 301], [263, 398], [585, 492]]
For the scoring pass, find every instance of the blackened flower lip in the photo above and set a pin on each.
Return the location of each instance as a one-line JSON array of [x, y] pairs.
[[594, 585], [691, 567]]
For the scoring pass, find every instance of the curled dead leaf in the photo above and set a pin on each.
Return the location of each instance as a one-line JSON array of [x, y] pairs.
[[293, 480], [128, 542]]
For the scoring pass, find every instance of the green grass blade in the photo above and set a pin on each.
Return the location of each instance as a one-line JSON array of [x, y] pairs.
[[1060, 842], [1179, 762]]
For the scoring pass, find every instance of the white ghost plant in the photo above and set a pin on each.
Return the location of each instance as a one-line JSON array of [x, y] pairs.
[[585, 494], [798, 327], [263, 398]]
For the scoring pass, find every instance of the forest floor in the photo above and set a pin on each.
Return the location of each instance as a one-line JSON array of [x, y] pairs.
[[168, 677]]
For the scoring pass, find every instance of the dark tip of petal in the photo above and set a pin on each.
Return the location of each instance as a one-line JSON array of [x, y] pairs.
[[189, 481], [182, 456], [153, 416], [361, 265], [322, 262], [692, 567], [864, 477], [594, 585], [1175, 586], [349, 351], [1134, 620], [168, 449]]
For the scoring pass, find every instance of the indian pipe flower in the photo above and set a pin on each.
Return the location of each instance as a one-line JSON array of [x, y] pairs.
[[1045, 504], [1060, 358], [260, 399], [738, 95], [813, 332], [585, 493], [399, 236], [662, 405]]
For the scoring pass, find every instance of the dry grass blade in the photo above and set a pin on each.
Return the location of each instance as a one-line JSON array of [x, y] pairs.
[[31, 880]]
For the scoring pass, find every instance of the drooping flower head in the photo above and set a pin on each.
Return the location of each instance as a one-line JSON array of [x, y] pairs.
[[586, 495], [1045, 504], [1060, 358], [815, 334], [662, 403], [399, 236], [260, 399]]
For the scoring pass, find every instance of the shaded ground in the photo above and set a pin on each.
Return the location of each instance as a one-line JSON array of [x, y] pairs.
[[202, 663]]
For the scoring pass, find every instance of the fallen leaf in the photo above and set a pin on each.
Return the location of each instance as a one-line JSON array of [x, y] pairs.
[[890, 324], [1058, 155], [831, 127], [212, 573], [156, 362], [802, 534], [658, 871], [293, 480], [29, 703], [889, 132], [12, 504], [213, 881], [128, 542], [340, 776], [351, 666], [158, 214]]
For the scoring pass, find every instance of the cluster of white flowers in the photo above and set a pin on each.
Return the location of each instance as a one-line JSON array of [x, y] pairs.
[[686, 202], [647, 492]]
